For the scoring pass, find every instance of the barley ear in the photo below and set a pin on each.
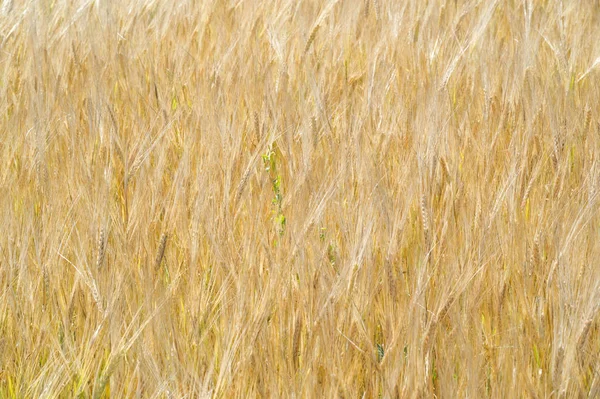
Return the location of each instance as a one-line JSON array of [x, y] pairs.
[[161, 251], [587, 120], [583, 335], [425, 220], [558, 367], [311, 38], [101, 245], [296, 342]]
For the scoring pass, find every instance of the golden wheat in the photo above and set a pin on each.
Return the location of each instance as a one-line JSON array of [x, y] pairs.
[[393, 199]]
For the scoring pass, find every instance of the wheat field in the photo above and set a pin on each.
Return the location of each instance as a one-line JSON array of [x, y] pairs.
[[299, 199]]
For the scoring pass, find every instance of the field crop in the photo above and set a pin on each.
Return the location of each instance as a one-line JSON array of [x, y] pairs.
[[299, 198]]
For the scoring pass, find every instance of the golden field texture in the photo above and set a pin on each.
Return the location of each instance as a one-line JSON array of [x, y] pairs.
[[302, 199]]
